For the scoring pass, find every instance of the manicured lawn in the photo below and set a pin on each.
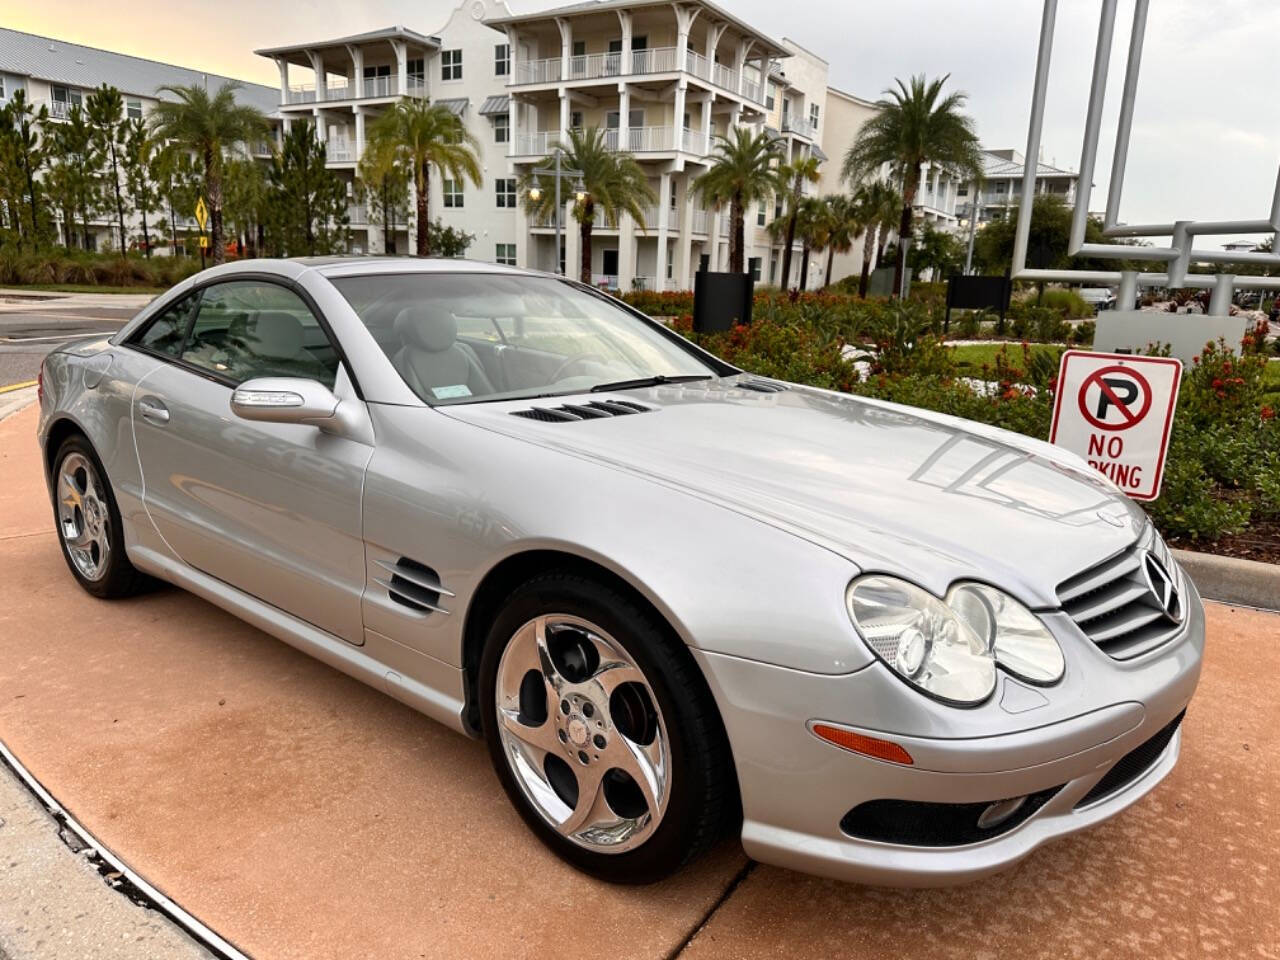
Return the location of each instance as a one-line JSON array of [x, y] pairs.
[[972, 357], [85, 288]]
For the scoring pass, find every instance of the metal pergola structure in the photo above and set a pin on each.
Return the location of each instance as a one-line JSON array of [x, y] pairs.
[[1177, 256]]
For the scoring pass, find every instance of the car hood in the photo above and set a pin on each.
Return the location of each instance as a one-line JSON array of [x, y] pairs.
[[893, 488]]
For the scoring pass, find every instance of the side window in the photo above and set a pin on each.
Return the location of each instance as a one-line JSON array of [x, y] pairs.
[[164, 334], [250, 328]]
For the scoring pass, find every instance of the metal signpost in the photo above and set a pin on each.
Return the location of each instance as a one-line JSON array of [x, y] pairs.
[[559, 173], [202, 218], [1117, 413], [1130, 329]]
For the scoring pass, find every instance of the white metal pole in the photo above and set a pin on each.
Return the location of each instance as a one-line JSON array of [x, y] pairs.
[[1033, 135], [560, 264]]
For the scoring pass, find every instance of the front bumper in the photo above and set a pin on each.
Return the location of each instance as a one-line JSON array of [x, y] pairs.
[[796, 789]]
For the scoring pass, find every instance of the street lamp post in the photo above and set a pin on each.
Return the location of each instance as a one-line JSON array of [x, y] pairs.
[[558, 172]]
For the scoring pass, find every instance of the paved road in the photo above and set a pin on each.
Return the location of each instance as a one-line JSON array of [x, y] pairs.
[[30, 328]]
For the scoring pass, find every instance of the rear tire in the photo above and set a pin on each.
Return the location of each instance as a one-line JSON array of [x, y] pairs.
[[582, 688], [88, 523]]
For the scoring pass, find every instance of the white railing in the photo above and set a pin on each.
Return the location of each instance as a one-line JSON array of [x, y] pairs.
[[538, 71], [722, 76], [751, 90], [724, 225], [657, 60], [592, 66], [358, 213], [337, 91], [697, 64], [701, 221], [302, 93], [645, 283], [58, 109], [695, 142], [799, 125], [416, 87], [609, 281], [534, 144], [651, 219], [342, 151], [380, 86]]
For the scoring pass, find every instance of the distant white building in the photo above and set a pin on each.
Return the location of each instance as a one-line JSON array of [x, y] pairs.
[[61, 75], [1001, 189]]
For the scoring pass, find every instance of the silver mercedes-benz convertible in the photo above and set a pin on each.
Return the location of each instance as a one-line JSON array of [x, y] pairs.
[[676, 600]]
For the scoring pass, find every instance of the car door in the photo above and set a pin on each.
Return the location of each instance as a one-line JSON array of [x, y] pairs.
[[271, 509]]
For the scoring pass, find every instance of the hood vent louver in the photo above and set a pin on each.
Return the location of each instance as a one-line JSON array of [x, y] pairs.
[[572, 412], [413, 585], [762, 386]]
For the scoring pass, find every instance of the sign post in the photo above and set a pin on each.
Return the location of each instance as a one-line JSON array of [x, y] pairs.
[[1116, 411], [202, 218]]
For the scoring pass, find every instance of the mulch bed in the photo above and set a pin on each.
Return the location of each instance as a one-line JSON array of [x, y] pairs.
[[1261, 541]]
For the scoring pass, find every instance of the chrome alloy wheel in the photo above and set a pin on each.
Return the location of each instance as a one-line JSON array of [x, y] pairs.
[[84, 521], [582, 733]]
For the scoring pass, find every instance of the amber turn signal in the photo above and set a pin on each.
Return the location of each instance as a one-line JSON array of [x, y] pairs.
[[858, 743]]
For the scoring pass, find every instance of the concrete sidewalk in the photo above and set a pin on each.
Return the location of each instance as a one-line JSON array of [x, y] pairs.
[[301, 814]]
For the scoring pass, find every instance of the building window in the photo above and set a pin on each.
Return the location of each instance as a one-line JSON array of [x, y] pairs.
[[579, 48], [609, 261], [753, 266], [773, 269], [417, 69], [501, 59], [813, 115], [506, 192], [132, 107], [450, 64], [452, 191], [777, 207], [501, 128], [575, 120], [1, 88], [507, 253], [770, 100], [761, 210]]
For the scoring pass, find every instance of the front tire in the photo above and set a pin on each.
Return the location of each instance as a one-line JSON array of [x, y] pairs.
[[88, 523], [602, 730]]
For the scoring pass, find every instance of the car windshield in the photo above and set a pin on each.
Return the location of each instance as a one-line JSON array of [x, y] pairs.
[[458, 338]]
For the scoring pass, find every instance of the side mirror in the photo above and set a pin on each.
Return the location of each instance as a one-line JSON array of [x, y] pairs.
[[286, 400]]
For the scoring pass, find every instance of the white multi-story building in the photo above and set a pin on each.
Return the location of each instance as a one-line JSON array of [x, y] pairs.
[[661, 79], [60, 75], [1001, 189]]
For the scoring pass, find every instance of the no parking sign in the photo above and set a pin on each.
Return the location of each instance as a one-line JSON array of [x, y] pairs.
[[1116, 411]]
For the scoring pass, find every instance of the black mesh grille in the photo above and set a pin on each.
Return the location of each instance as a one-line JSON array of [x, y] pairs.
[[920, 824], [1132, 765]]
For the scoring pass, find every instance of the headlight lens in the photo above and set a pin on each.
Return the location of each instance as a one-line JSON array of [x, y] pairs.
[[950, 649], [1020, 641], [922, 639]]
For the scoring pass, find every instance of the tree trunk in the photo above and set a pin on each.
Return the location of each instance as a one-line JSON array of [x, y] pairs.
[[584, 233], [868, 245], [213, 183], [804, 267], [831, 256], [115, 182], [904, 234], [737, 234], [146, 234], [173, 230], [423, 189], [786, 250]]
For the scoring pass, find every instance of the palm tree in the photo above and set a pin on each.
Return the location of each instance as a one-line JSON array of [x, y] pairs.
[[914, 125], [795, 175], [210, 127], [843, 224], [813, 227], [418, 136], [611, 182], [743, 172], [878, 205]]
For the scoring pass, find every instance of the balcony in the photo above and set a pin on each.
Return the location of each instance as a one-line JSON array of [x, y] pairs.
[[342, 150], [799, 126], [701, 222], [651, 219], [634, 140], [368, 88], [598, 66]]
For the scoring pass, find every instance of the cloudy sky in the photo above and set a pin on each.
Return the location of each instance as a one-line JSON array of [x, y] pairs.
[[1206, 140]]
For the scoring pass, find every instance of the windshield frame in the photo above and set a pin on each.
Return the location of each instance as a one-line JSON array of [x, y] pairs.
[[716, 366]]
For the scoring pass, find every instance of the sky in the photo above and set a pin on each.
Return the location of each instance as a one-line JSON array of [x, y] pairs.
[[1206, 135]]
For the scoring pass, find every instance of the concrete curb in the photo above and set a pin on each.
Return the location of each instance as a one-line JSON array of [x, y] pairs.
[[15, 400], [1232, 580]]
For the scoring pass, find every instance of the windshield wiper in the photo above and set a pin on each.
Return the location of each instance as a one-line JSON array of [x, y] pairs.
[[654, 381]]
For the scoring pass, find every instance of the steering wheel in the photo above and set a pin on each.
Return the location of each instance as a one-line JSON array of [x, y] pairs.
[[560, 370]]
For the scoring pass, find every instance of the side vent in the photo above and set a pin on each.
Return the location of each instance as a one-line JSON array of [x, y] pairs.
[[762, 386], [413, 585], [572, 412]]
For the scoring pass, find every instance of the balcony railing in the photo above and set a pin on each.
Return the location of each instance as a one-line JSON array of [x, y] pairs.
[[596, 66], [358, 214], [605, 281], [651, 219], [58, 109], [302, 93], [701, 221], [342, 151], [534, 144], [381, 86], [800, 125], [634, 140]]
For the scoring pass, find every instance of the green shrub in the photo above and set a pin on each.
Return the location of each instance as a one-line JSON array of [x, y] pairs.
[[56, 265]]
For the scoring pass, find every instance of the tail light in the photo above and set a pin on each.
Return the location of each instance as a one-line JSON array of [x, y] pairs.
[[40, 384]]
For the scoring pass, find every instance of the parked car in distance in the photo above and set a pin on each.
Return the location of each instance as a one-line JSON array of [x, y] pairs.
[[675, 599], [1102, 298]]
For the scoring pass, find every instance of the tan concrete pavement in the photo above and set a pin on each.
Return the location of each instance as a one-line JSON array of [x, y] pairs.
[[301, 814]]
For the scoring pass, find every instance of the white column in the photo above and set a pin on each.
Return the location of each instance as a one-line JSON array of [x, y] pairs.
[[402, 67], [357, 70], [359, 148], [677, 121], [664, 219], [624, 19], [740, 62], [513, 128], [317, 64], [572, 241], [564, 115], [628, 251], [513, 45], [322, 128], [566, 46], [707, 104], [624, 116], [683, 272], [283, 64]]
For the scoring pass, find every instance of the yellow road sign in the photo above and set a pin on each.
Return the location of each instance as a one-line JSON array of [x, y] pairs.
[[204, 243], [202, 213]]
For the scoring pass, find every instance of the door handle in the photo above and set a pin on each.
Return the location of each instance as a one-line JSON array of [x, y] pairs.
[[152, 409]]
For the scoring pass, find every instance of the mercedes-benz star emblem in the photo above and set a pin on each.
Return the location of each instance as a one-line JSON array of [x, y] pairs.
[[1163, 588]]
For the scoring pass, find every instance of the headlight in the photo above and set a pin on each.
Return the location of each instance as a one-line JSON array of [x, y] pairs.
[[1019, 640], [950, 649], [922, 639]]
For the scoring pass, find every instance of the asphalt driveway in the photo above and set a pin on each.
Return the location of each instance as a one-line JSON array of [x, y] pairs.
[[301, 814]]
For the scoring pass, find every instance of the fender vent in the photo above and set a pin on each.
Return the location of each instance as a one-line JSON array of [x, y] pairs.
[[570, 412], [413, 585], [762, 386]]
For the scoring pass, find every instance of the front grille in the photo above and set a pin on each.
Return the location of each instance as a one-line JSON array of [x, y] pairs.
[[917, 823], [1133, 764], [1113, 605]]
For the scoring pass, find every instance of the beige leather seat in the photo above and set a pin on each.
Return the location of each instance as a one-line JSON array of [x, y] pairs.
[[275, 339], [432, 361]]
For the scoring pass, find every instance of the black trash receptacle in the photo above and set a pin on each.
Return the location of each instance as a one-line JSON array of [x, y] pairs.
[[721, 300]]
